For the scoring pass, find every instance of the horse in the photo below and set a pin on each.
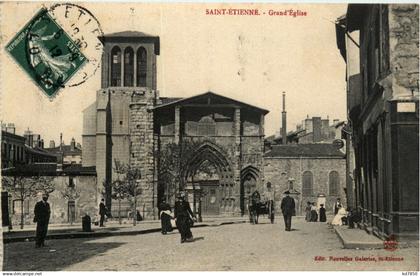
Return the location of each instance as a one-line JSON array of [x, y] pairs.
[[258, 207]]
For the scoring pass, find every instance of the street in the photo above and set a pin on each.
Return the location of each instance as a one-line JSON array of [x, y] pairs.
[[230, 247]]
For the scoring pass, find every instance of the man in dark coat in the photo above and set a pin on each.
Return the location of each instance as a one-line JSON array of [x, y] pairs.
[[183, 217], [287, 208], [102, 212], [322, 214], [42, 213]]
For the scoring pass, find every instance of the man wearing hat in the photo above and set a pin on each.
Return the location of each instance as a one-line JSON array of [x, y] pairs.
[[183, 216], [42, 217], [287, 208]]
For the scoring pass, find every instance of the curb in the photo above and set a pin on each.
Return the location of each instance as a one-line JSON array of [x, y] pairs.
[[358, 245], [78, 235]]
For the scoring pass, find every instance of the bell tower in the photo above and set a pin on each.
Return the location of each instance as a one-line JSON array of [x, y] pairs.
[[124, 121], [129, 59]]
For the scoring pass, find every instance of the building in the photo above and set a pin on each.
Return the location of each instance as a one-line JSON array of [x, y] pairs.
[[67, 205], [311, 172], [380, 45], [19, 150], [132, 124], [66, 154]]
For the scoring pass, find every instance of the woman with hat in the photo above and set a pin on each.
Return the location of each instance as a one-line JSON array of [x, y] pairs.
[[183, 217]]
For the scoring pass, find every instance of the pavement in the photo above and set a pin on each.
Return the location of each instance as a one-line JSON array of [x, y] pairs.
[[112, 228], [310, 246], [356, 238]]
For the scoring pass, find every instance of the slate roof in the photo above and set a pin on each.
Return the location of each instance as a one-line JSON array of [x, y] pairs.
[[304, 150], [128, 34]]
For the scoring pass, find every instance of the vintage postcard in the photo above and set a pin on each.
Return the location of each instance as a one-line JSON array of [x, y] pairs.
[[146, 136]]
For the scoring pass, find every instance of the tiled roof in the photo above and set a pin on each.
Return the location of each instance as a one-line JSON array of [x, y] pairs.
[[49, 169], [304, 150], [166, 100], [181, 101], [128, 34]]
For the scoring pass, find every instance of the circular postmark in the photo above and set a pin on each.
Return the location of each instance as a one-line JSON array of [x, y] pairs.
[[62, 47], [84, 29]]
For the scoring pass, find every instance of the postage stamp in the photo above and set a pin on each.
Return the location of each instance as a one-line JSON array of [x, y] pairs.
[[46, 53]]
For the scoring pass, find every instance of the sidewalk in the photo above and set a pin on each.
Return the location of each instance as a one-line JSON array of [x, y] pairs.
[[113, 228], [357, 238]]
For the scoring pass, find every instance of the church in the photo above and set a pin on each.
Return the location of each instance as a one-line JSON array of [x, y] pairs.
[[219, 140]]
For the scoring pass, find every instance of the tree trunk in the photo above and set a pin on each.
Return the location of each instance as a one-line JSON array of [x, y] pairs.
[[119, 210], [21, 215]]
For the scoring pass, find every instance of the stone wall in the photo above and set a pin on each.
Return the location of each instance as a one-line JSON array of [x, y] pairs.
[[404, 49], [277, 171], [142, 148], [86, 203]]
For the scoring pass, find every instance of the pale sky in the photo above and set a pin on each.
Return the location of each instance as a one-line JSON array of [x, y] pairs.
[[248, 58]]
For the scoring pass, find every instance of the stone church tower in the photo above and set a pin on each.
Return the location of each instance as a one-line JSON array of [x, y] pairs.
[[119, 125]]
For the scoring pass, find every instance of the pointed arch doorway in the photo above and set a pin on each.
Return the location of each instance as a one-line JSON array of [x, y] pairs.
[[209, 181]]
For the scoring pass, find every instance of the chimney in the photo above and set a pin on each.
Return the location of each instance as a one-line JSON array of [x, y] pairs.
[[11, 128], [283, 121], [28, 138], [41, 143], [72, 144], [52, 144], [317, 134], [61, 141]]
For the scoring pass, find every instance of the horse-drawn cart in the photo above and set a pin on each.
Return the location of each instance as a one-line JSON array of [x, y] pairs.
[[258, 207]]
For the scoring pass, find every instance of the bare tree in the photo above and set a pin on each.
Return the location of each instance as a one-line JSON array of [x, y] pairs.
[[23, 187]]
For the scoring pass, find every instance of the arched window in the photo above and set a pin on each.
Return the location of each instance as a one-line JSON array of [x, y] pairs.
[[116, 66], [128, 67], [141, 67], [307, 183], [334, 183]]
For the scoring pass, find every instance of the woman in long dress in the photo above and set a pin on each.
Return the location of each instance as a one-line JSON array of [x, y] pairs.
[[183, 216], [314, 213], [308, 211], [337, 220], [165, 217]]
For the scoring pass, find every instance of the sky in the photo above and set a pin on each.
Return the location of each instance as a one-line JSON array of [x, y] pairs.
[[248, 58]]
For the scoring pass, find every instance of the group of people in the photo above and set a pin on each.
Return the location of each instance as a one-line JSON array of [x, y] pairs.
[[183, 216], [311, 212]]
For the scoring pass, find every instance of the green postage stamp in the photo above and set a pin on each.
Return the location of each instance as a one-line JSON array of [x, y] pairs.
[[47, 54]]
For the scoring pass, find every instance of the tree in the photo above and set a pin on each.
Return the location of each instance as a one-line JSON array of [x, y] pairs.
[[175, 166], [23, 187], [71, 194], [127, 185]]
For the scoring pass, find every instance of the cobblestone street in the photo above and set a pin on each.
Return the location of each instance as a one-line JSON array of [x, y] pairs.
[[230, 247]]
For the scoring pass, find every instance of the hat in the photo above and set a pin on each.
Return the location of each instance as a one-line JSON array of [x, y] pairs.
[[287, 192], [322, 204]]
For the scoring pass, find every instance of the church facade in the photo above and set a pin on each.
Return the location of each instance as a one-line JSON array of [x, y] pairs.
[[219, 141]]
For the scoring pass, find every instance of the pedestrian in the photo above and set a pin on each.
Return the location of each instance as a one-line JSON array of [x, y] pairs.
[[314, 214], [337, 206], [337, 220], [308, 211], [102, 212], [183, 218], [322, 214], [165, 217], [42, 213], [287, 208]]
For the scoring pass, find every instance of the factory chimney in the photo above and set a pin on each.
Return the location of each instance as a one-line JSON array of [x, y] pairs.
[[283, 121]]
